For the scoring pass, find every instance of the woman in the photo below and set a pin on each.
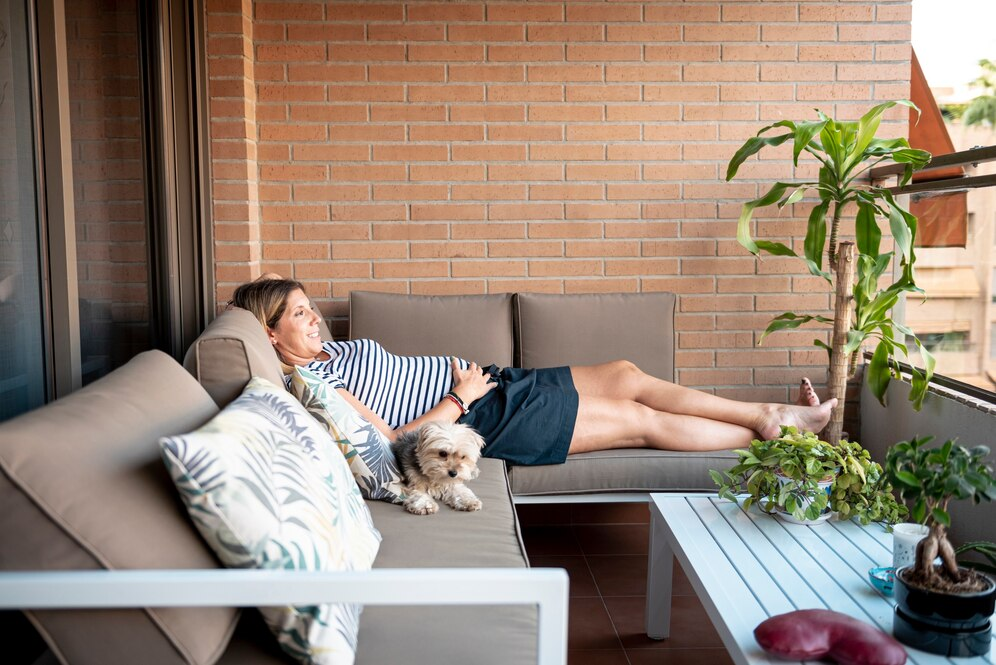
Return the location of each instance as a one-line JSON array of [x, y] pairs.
[[525, 416]]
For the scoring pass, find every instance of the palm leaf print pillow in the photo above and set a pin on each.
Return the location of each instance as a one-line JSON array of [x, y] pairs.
[[267, 488], [365, 447]]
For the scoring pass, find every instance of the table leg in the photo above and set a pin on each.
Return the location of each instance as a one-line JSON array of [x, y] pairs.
[[660, 564]]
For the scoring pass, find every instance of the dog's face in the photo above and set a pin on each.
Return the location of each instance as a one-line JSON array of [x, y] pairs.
[[448, 452]]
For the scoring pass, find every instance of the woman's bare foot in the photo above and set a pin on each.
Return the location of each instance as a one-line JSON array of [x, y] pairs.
[[806, 418], [807, 396]]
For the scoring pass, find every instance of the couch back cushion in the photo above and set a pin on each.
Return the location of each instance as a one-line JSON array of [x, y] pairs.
[[554, 330], [82, 486], [475, 327], [231, 350]]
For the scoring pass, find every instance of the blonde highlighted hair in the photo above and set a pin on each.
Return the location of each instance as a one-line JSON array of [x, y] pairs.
[[266, 299]]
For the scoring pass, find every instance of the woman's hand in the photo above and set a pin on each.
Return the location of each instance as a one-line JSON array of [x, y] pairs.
[[472, 383]]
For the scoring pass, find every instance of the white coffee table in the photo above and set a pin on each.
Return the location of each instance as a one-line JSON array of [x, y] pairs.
[[748, 566]]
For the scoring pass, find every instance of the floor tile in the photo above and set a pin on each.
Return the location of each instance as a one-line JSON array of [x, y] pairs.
[[612, 538], [680, 586], [597, 657], [619, 574], [582, 583], [550, 540], [690, 625], [531, 514], [610, 513], [589, 626], [678, 657]]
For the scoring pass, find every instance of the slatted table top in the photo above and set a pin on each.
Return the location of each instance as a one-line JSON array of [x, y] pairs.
[[746, 566]]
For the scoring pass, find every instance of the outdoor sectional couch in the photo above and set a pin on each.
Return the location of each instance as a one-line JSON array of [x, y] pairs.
[[83, 489]]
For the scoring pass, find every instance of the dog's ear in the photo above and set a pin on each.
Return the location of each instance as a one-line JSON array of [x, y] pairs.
[[478, 439]]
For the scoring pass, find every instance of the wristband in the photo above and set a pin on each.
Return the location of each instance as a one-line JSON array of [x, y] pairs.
[[456, 400]]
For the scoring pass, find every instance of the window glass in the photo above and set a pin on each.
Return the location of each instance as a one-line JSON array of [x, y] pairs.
[[22, 365]]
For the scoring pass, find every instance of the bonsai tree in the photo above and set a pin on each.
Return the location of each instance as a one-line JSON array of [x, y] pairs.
[[788, 472], [845, 151], [931, 478]]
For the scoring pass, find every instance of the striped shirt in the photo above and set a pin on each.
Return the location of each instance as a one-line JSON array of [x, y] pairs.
[[399, 389]]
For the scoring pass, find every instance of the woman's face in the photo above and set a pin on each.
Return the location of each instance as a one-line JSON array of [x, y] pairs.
[[296, 336]]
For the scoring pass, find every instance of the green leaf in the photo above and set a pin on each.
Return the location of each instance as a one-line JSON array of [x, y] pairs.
[[941, 516], [752, 146], [908, 479], [919, 512], [869, 236], [816, 236], [803, 137], [743, 226], [790, 320], [878, 374]]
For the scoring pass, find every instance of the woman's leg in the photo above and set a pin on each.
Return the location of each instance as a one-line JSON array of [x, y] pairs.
[[622, 380], [604, 423]]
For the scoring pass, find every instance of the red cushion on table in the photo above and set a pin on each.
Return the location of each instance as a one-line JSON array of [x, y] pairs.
[[810, 634]]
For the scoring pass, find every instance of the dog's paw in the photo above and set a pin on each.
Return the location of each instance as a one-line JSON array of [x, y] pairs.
[[422, 506], [469, 505]]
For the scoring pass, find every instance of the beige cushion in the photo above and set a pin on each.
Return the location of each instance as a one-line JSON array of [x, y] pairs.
[[231, 350], [82, 487], [622, 470], [555, 330], [477, 327]]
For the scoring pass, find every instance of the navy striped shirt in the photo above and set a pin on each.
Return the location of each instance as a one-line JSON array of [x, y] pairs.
[[399, 389]]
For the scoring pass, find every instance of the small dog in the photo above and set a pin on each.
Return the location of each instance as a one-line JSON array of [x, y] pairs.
[[436, 459]]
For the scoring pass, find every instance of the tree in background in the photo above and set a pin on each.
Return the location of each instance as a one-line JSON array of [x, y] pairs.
[[982, 109]]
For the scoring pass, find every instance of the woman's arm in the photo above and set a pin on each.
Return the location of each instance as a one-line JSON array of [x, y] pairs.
[[470, 384]]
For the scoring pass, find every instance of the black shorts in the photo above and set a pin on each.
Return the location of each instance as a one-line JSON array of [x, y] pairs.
[[529, 418]]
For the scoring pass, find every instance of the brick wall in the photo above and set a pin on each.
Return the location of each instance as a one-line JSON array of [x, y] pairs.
[[565, 147]]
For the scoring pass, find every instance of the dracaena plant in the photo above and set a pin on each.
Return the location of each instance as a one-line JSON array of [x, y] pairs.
[[846, 151]]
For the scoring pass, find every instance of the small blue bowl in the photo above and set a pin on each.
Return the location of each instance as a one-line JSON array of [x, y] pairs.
[[883, 579]]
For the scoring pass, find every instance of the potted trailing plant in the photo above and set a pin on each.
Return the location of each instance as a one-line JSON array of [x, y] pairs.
[[845, 151], [805, 480], [941, 608]]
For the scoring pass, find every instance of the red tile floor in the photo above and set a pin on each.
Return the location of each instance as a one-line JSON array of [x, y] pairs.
[[603, 547]]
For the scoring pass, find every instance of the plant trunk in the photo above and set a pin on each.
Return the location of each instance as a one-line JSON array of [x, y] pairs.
[[839, 361], [936, 544], [834, 228]]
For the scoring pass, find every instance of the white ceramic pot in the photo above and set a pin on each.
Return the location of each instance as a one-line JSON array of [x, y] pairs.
[[824, 486]]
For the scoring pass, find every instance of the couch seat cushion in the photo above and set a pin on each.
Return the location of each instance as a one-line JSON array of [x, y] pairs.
[[622, 470], [450, 538], [82, 487]]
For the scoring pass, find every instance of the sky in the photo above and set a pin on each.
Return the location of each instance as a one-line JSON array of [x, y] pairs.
[[950, 37]]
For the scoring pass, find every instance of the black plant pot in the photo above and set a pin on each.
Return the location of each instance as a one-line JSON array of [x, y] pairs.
[[942, 623]]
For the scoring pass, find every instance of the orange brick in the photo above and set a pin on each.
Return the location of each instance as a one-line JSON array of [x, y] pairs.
[[797, 72], [642, 73], [526, 248], [565, 192], [447, 250], [486, 33], [366, 93], [366, 11], [720, 112], [436, 212], [331, 153], [526, 53], [794, 302], [834, 52], [406, 33], [324, 72], [446, 172], [487, 73], [295, 213], [365, 172], [600, 285], [448, 287], [683, 247], [672, 92], [446, 53], [488, 113], [800, 33], [593, 13], [304, 270], [681, 285], [644, 112], [292, 172], [488, 268], [268, 192], [328, 113], [734, 32], [525, 133], [488, 192], [446, 93], [570, 268], [291, 53], [715, 340], [565, 33], [409, 192], [410, 153], [446, 132], [680, 172], [754, 284], [621, 267], [341, 288], [756, 92], [602, 210], [369, 250], [529, 172], [331, 231], [516, 211], [899, 52], [491, 230], [836, 13], [673, 13], [282, 92], [296, 250], [407, 73], [832, 92], [540, 152], [901, 13], [519, 93], [564, 73], [683, 359], [565, 230], [443, 12], [369, 212], [642, 191], [330, 193], [641, 229], [724, 72], [323, 32], [716, 303], [579, 132], [366, 53], [488, 152], [643, 33], [603, 52], [525, 286], [524, 12], [408, 231], [603, 172], [751, 358], [759, 52], [876, 72], [645, 152]]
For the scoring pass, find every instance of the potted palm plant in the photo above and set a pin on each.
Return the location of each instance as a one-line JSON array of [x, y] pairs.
[[845, 152], [805, 480], [942, 608]]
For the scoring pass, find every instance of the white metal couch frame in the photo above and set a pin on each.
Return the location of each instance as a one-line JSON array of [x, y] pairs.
[[546, 588]]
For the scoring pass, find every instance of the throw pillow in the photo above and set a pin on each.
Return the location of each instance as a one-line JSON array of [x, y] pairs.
[[825, 634], [365, 447], [267, 488]]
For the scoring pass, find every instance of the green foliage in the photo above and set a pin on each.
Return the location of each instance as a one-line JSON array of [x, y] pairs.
[[985, 549], [931, 477], [845, 151], [785, 473], [982, 109]]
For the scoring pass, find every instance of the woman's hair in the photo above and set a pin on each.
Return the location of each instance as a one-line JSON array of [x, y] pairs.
[[266, 298]]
